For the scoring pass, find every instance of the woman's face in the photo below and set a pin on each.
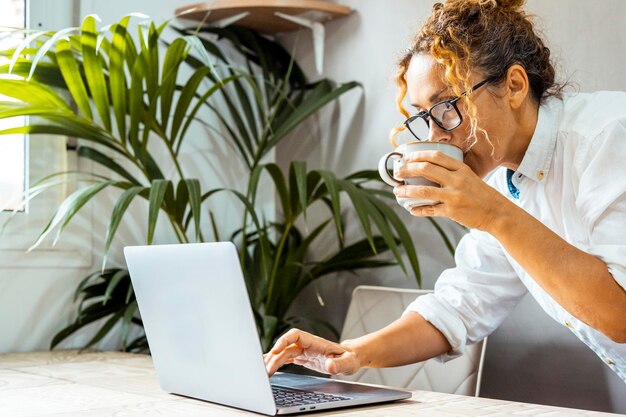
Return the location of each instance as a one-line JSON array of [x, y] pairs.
[[426, 87]]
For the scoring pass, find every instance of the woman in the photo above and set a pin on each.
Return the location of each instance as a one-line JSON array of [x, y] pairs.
[[550, 220]]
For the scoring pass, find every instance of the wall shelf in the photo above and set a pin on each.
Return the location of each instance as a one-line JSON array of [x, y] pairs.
[[264, 15]]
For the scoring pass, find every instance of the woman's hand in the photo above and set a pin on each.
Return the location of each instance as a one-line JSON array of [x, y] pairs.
[[321, 355], [464, 196]]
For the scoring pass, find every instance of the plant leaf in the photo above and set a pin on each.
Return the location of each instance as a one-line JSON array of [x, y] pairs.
[[43, 49], [102, 159], [193, 189], [106, 328], [83, 283], [313, 102], [185, 98], [360, 207], [216, 87], [157, 196], [115, 279], [80, 323], [23, 45], [174, 56], [116, 216], [404, 236], [117, 77], [68, 126], [181, 202], [128, 315], [33, 93], [297, 179], [94, 70], [69, 207], [47, 74], [281, 190], [71, 75], [333, 192]]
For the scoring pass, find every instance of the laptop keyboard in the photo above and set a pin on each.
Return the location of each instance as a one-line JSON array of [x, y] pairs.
[[285, 397]]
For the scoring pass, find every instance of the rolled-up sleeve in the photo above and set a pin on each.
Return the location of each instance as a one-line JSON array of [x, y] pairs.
[[472, 299], [602, 198]]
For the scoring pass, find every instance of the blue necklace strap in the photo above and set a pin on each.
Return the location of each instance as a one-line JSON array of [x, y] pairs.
[[512, 188]]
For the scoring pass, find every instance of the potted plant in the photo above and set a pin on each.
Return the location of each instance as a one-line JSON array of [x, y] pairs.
[[129, 96]]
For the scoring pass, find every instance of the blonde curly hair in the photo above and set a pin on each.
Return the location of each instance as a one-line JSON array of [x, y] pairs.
[[485, 35]]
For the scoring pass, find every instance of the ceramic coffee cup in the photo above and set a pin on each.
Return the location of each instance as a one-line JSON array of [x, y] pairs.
[[398, 156]]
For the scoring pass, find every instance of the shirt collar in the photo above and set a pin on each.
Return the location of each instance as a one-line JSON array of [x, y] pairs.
[[538, 157]]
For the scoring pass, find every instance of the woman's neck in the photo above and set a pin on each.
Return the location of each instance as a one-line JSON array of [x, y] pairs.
[[519, 141]]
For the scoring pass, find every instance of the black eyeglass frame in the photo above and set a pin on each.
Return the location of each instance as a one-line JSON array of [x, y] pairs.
[[426, 115]]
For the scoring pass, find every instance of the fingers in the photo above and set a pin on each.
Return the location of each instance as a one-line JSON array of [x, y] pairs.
[[316, 363], [286, 348], [286, 356], [430, 171], [424, 193], [435, 157], [428, 211], [293, 336], [301, 348], [343, 364], [421, 192], [433, 165]]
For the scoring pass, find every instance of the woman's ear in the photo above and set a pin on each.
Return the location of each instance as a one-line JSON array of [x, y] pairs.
[[517, 85]]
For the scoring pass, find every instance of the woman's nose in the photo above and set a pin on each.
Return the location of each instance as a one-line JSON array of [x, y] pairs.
[[437, 134]]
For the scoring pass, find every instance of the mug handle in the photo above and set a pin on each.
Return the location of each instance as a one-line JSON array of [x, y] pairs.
[[384, 172]]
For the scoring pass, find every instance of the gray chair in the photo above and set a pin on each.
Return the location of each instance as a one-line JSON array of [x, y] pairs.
[[371, 309]]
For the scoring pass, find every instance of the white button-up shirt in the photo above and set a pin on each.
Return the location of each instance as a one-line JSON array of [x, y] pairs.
[[573, 179]]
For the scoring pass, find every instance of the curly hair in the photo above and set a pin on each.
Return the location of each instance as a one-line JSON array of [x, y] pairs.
[[485, 35]]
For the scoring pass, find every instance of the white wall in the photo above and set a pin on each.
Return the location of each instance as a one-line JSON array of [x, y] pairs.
[[530, 358]]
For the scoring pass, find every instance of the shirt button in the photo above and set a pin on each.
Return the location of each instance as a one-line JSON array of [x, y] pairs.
[[540, 175], [609, 361], [568, 324]]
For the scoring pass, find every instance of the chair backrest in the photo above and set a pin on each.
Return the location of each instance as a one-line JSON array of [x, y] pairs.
[[371, 309]]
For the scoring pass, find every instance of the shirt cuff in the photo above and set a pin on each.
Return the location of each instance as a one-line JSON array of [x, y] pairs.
[[443, 317]]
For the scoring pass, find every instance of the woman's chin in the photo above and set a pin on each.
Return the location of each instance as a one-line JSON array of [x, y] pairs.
[[477, 169], [470, 161], [478, 165]]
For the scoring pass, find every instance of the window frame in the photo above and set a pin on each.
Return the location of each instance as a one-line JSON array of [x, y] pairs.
[[24, 138]]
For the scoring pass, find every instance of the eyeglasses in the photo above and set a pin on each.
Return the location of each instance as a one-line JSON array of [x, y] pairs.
[[445, 114]]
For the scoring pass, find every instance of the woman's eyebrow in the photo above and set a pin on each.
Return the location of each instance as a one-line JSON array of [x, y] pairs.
[[432, 98]]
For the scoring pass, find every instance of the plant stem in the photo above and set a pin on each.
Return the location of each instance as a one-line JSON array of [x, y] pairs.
[[174, 157], [242, 258], [180, 233]]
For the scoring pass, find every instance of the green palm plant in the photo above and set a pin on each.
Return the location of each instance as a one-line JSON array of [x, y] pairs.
[[131, 101], [122, 96], [284, 242]]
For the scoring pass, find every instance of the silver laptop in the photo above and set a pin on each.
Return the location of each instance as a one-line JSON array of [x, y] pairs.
[[203, 338]]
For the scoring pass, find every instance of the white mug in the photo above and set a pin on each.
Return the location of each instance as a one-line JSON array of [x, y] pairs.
[[398, 160]]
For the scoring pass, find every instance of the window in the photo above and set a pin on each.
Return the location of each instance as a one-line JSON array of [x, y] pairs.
[[26, 160], [12, 147]]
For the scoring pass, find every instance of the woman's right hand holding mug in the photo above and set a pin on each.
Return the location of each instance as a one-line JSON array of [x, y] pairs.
[[313, 352]]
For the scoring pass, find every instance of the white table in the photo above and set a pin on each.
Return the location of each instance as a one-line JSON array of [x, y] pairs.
[[104, 384]]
